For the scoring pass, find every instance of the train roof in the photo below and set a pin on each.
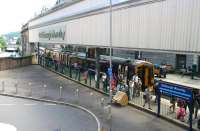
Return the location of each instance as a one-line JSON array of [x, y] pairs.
[[137, 62], [114, 59]]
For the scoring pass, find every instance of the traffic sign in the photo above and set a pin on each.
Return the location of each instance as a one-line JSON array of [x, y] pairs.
[[110, 71]]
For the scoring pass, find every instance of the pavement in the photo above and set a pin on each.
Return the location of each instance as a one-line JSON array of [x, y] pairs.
[[184, 79], [31, 80]]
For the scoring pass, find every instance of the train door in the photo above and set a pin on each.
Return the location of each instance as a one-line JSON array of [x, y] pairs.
[[141, 72], [145, 73]]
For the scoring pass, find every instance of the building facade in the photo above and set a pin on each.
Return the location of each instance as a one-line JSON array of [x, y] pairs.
[[161, 31], [27, 47]]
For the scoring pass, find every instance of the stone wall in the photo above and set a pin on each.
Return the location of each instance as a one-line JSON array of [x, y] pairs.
[[11, 63]]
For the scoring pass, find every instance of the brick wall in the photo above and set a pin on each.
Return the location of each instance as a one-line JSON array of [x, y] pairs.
[[11, 63]]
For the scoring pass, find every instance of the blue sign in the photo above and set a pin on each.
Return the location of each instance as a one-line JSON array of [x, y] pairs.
[[110, 71], [175, 90]]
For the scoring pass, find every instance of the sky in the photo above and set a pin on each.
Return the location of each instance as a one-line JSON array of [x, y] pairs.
[[15, 13]]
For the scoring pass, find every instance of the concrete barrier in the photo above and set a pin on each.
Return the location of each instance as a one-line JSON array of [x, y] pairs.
[[11, 62]]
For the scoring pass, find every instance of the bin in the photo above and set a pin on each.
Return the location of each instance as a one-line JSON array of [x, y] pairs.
[[194, 70]]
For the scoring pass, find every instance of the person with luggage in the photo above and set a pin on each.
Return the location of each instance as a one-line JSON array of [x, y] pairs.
[[147, 98]]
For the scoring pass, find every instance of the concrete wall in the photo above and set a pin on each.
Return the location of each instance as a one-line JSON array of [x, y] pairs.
[[11, 63], [154, 57]]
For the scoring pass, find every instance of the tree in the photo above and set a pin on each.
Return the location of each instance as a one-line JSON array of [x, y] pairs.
[[2, 43]]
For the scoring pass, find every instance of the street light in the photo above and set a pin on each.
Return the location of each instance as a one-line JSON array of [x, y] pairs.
[[110, 114], [110, 40]]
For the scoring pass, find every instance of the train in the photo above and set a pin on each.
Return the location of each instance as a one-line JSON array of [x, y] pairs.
[[122, 69]]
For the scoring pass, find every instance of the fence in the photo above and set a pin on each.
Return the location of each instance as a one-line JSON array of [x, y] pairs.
[[79, 75]]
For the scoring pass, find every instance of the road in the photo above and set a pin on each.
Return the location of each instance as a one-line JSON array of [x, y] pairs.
[[123, 118], [28, 115]]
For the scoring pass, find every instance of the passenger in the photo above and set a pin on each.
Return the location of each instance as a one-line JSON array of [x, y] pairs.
[[85, 75], [139, 87], [105, 82], [172, 102], [156, 91], [135, 80], [147, 98], [186, 104], [118, 87], [131, 88], [197, 105], [181, 114], [114, 85]]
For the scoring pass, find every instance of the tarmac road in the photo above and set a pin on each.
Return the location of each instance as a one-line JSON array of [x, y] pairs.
[[28, 115]]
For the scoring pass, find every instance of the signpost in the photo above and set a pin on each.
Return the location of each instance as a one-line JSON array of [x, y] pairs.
[[176, 90]]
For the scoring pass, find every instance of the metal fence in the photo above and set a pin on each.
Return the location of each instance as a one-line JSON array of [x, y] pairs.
[[79, 75]]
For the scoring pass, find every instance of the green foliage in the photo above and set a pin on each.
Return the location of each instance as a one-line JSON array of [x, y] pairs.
[[12, 34], [2, 42]]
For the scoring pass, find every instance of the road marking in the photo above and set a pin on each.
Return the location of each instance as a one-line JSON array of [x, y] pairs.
[[7, 104], [50, 104], [30, 104]]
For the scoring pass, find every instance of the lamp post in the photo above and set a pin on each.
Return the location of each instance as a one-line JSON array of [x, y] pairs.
[[110, 40], [110, 109]]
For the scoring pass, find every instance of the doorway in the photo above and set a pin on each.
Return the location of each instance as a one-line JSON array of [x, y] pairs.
[[180, 61]]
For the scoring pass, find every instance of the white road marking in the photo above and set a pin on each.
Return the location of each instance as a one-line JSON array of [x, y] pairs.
[[30, 104], [49, 104], [7, 104]]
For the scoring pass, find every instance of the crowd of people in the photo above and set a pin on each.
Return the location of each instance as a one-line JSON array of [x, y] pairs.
[[185, 106], [177, 105]]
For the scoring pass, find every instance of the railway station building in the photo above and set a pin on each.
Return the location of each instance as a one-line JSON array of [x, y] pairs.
[[159, 31]]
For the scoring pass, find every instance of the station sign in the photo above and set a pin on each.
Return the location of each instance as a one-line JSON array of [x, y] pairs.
[[176, 90], [53, 34]]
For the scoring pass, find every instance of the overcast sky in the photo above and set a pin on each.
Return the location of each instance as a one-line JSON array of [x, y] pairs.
[[14, 13]]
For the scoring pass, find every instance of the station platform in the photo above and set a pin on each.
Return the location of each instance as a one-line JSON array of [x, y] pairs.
[[184, 80]]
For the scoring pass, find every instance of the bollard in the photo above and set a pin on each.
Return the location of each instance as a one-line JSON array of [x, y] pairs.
[[30, 88], [3, 86], [108, 110], [16, 88], [77, 95], [45, 92], [91, 93], [102, 102], [60, 92], [77, 92]]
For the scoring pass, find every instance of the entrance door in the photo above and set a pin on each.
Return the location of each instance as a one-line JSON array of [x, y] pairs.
[[180, 61]]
